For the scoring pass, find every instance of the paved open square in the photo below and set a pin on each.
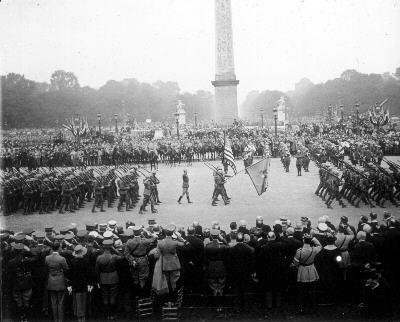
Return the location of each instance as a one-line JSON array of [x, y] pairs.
[[288, 195]]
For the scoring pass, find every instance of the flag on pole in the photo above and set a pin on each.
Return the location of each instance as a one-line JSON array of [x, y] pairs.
[[228, 155], [258, 173]]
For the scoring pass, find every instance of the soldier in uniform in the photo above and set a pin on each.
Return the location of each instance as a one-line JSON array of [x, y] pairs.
[[185, 187], [219, 181], [122, 189], [66, 199], [98, 196], [155, 182]]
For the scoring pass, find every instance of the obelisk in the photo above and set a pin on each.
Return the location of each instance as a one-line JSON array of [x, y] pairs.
[[226, 107]]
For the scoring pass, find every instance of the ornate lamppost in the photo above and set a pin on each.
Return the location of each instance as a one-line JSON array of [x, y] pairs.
[[116, 123], [99, 120], [276, 120]]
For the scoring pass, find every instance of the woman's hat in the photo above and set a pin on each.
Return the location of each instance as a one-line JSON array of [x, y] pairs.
[[79, 250]]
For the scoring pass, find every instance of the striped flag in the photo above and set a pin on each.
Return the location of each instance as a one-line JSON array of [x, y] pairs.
[[228, 155]]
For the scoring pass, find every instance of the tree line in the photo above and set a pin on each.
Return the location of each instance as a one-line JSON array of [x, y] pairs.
[[30, 104], [308, 99]]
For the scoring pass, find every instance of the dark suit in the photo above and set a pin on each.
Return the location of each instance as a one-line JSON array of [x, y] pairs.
[[240, 265], [193, 254]]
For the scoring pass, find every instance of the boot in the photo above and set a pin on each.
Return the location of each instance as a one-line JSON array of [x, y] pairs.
[[188, 199], [153, 210], [179, 200]]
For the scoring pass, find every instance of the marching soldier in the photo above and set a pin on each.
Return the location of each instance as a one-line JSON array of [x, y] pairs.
[[185, 187], [122, 190], [98, 196]]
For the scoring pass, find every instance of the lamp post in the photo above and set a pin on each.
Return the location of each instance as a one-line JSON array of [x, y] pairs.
[[341, 112], [99, 120], [116, 123], [177, 122], [195, 120], [276, 120], [262, 117], [357, 106]]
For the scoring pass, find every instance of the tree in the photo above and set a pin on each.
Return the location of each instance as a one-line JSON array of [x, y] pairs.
[[61, 80]]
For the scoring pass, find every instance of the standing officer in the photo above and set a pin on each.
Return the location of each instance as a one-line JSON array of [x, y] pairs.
[[185, 187]]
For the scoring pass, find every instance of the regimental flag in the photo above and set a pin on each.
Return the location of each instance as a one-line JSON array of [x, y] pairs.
[[258, 173], [228, 155]]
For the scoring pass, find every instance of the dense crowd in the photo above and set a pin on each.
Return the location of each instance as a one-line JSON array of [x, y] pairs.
[[106, 268]]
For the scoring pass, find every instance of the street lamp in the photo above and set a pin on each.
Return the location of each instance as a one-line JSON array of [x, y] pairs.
[[276, 120], [177, 122], [116, 123], [195, 119], [262, 117], [341, 112], [99, 120]]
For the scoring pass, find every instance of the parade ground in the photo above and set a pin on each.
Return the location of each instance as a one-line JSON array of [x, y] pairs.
[[288, 195]]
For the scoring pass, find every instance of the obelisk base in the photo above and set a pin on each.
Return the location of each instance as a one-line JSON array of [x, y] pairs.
[[226, 108]]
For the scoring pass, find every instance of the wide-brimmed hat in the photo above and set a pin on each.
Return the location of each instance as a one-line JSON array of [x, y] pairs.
[[79, 250]]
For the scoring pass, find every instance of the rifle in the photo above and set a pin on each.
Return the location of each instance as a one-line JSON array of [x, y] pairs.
[[350, 167], [319, 165]]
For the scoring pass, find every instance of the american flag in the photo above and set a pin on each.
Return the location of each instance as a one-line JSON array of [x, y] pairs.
[[228, 155]]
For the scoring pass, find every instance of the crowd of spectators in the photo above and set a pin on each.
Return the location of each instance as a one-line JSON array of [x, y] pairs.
[[107, 267]]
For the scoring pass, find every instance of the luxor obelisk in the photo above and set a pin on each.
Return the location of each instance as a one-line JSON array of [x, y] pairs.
[[226, 107]]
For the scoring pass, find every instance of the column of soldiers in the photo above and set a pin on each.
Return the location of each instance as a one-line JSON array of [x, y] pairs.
[[47, 191], [370, 183], [105, 267]]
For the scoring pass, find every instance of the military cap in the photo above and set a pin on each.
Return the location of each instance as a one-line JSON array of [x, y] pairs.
[[39, 235], [102, 227], [48, 229], [94, 234], [64, 231], [118, 244], [151, 222], [170, 227], [242, 223], [112, 223], [59, 237], [28, 231], [344, 219], [19, 238], [82, 233], [68, 237], [107, 234], [322, 227], [90, 227], [190, 230], [107, 242], [259, 218]]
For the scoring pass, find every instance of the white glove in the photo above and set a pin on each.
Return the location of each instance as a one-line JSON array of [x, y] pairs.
[[69, 288], [90, 288]]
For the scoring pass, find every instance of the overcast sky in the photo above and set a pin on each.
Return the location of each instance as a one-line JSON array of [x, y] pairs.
[[276, 42]]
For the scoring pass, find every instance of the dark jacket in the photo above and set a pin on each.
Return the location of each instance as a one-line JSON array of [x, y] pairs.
[[80, 274]]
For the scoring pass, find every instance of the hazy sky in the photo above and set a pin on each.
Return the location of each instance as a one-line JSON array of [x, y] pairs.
[[276, 42]]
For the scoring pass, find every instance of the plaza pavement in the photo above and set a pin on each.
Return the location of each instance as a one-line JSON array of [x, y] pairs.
[[287, 195]]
